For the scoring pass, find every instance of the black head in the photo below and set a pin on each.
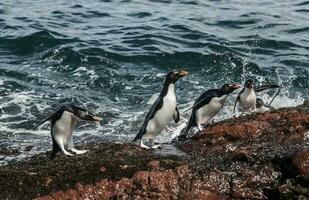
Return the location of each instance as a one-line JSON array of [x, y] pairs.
[[173, 76], [249, 84], [84, 114], [259, 102], [228, 88]]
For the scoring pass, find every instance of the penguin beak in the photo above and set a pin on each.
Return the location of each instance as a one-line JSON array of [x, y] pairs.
[[97, 119], [236, 86], [183, 73]]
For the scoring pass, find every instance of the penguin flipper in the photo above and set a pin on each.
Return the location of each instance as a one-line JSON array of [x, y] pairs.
[[176, 115], [44, 120], [205, 98], [190, 124], [265, 87], [237, 99], [61, 107], [275, 95]]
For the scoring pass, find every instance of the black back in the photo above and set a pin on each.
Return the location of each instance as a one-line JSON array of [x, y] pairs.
[[238, 98], [265, 87], [57, 114], [204, 99]]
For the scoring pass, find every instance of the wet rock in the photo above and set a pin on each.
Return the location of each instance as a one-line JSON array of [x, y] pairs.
[[204, 194], [217, 182], [301, 163], [250, 183], [257, 156], [8, 152], [154, 165], [28, 148]]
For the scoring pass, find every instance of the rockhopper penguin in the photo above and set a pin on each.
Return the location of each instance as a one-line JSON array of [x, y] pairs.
[[161, 112], [209, 105], [247, 96], [63, 121]]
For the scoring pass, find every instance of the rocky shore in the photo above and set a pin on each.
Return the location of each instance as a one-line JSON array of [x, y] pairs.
[[258, 156]]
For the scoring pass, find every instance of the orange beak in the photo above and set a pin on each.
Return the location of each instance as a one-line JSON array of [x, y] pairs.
[[183, 73], [97, 119], [237, 85]]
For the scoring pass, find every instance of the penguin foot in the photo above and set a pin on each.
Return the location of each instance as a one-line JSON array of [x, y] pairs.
[[68, 154], [158, 146], [142, 145], [78, 151]]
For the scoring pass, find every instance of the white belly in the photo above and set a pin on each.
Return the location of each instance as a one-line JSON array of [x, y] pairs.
[[248, 100], [163, 116], [208, 111], [62, 127]]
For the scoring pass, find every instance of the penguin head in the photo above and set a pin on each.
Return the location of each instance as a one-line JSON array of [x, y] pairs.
[[249, 84], [259, 103], [173, 76], [228, 88], [84, 114]]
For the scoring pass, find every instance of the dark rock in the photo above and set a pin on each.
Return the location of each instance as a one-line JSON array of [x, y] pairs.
[[257, 156], [8, 152], [301, 163], [28, 148]]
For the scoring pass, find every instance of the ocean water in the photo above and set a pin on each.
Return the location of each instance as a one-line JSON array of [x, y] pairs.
[[110, 56]]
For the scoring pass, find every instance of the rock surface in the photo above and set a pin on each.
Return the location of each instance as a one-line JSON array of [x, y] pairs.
[[258, 156]]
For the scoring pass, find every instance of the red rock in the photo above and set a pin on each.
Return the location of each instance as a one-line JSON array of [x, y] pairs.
[[105, 189], [154, 165], [58, 196], [122, 186], [164, 182], [250, 157], [217, 182], [301, 162], [203, 195], [250, 183], [79, 186], [44, 198], [141, 178]]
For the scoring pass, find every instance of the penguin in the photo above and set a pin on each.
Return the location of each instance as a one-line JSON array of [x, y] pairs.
[[247, 96], [63, 121], [209, 105], [161, 112], [261, 106]]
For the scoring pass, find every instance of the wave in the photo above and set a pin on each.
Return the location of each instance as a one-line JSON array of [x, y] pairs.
[[35, 42]]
